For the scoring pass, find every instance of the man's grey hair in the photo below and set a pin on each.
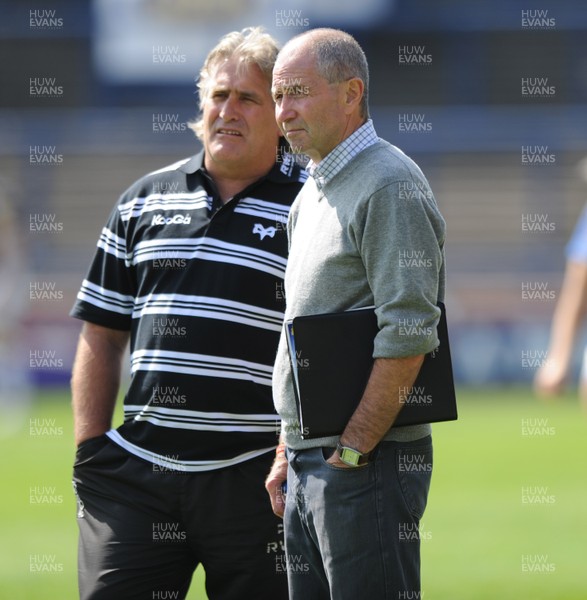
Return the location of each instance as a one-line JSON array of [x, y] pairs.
[[251, 46], [339, 57]]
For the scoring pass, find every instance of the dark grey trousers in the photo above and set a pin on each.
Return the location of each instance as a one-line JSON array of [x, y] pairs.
[[144, 529]]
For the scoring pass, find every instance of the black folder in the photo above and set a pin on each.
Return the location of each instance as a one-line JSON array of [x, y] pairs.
[[331, 358]]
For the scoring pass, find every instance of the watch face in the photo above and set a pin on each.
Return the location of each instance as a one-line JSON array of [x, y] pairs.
[[349, 456]]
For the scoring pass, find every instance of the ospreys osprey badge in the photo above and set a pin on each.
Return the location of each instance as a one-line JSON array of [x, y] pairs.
[[262, 231]]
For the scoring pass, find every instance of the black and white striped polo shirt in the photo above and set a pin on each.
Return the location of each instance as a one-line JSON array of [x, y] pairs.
[[200, 287]]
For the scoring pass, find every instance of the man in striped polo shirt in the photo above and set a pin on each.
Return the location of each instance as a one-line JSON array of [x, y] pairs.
[[189, 268]]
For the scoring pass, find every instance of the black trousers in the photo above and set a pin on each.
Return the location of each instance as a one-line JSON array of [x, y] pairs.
[[144, 529]]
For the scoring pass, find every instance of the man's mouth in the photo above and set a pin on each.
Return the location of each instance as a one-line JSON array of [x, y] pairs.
[[293, 130], [233, 132]]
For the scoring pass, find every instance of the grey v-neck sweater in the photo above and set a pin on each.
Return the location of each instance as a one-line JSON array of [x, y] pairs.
[[372, 236]]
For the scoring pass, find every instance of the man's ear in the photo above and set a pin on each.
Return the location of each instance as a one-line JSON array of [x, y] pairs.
[[353, 94]]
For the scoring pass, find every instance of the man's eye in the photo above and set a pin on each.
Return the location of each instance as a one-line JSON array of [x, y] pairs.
[[296, 91]]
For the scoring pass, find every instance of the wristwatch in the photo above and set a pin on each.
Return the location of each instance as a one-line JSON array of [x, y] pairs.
[[352, 457]]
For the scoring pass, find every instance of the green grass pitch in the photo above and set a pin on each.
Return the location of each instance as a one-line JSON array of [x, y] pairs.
[[506, 518]]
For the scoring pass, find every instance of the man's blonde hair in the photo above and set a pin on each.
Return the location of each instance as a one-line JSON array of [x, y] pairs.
[[251, 46]]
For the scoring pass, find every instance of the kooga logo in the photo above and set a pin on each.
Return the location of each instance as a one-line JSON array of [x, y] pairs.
[[175, 220]]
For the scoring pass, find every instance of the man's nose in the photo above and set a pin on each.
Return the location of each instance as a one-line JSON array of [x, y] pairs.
[[229, 110]]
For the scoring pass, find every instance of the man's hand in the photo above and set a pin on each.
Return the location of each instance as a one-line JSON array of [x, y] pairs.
[[273, 483], [550, 379]]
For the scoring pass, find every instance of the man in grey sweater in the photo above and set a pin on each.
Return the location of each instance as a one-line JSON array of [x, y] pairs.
[[354, 501]]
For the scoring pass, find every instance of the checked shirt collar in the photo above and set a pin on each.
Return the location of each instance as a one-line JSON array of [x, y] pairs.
[[338, 158]]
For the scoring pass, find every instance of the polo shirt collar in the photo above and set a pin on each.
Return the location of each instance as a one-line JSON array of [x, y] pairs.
[[195, 163], [277, 173]]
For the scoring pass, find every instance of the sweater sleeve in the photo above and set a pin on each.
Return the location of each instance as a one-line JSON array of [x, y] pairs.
[[401, 240]]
